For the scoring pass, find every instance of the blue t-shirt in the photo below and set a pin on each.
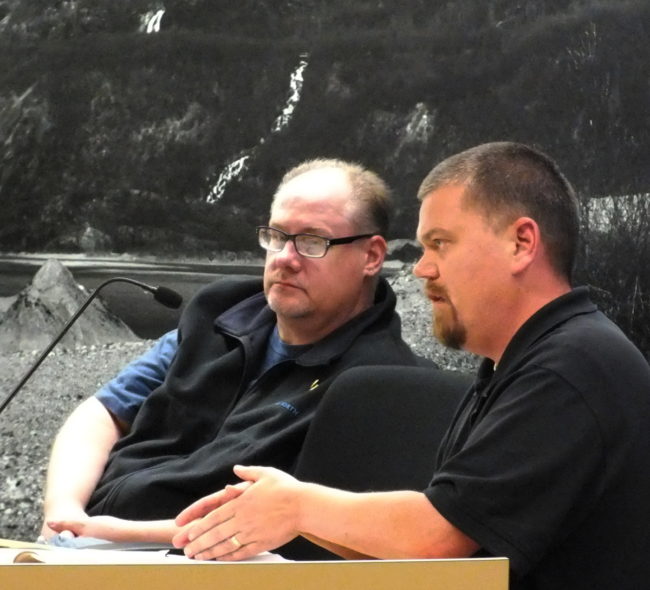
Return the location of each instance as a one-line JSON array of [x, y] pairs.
[[278, 351], [124, 394]]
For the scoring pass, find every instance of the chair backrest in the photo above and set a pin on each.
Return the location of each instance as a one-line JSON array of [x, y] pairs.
[[377, 429]]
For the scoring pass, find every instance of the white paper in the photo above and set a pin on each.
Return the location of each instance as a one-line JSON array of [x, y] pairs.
[[18, 552]]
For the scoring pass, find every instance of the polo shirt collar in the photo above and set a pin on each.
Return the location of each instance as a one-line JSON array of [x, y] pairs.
[[575, 302]]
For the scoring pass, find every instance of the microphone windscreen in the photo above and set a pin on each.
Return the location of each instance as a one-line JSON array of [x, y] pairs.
[[168, 297]]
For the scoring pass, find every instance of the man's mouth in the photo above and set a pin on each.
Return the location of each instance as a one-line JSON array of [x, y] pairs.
[[436, 297], [285, 284], [435, 293]]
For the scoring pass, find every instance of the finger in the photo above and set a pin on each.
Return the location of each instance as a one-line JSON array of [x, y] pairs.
[[245, 552], [212, 545], [212, 523], [218, 538], [250, 473], [226, 552], [230, 492], [55, 525], [214, 532], [237, 489], [66, 528], [201, 507], [205, 505], [180, 539]]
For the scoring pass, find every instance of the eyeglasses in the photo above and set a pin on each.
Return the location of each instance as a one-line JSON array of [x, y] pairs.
[[309, 245]]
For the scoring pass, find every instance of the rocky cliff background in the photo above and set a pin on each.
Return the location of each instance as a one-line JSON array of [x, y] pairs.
[[152, 124], [149, 126]]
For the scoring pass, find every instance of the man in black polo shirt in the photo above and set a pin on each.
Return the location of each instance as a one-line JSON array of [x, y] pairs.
[[547, 461]]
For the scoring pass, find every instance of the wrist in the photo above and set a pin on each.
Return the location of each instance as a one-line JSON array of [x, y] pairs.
[[304, 498], [154, 531]]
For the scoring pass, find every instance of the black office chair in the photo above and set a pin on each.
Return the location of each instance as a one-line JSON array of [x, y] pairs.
[[377, 429]]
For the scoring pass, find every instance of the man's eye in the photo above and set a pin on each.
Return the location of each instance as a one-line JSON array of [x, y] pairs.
[[311, 243]]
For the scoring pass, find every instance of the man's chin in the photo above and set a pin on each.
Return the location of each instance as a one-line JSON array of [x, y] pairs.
[[450, 336], [291, 309]]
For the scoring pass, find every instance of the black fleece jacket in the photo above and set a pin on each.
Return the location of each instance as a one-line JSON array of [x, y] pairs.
[[211, 412]]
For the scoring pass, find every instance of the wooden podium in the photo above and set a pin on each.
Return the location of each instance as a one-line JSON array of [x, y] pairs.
[[444, 574]]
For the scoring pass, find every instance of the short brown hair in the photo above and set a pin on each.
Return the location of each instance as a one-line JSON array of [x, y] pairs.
[[368, 189], [507, 180]]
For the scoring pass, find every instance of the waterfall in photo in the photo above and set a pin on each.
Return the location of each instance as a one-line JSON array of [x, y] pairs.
[[230, 172], [236, 167], [150, 22], [295, 87]]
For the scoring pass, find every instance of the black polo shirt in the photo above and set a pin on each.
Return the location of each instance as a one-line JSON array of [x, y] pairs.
[[547, 461]]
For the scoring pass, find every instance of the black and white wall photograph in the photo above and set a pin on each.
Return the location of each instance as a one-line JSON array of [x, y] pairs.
[[145, 139]]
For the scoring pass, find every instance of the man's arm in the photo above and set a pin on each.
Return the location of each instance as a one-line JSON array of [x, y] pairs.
[[275, 508], [73, 474], [79, 455], [82, 447], [118, 530]]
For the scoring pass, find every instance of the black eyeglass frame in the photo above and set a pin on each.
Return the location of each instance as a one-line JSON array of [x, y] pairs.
[[329, 242]]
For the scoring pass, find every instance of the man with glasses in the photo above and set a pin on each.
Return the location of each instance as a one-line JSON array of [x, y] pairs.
[[242, 377]]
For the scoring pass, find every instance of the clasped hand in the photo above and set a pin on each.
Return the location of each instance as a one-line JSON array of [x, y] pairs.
[[258, 514]]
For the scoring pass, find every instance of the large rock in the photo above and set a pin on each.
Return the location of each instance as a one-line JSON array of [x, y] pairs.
[[42, 309]]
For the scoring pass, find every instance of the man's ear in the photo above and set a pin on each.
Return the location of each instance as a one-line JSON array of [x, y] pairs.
[[526, 243], [375, 254]]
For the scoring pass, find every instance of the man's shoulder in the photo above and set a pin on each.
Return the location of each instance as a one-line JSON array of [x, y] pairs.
[[591, 340], [216, 298], [382, 344], [590, 360]]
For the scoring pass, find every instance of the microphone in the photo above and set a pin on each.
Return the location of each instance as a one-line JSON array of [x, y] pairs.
[[164, 295]]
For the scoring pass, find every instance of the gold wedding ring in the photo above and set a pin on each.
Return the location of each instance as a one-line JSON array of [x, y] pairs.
[[235, 541]]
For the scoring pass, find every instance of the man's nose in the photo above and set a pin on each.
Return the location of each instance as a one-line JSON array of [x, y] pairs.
[[425, 268], [288, 255]]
